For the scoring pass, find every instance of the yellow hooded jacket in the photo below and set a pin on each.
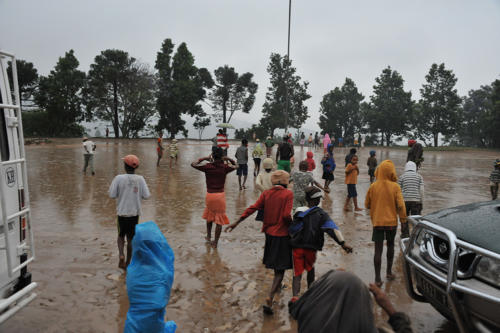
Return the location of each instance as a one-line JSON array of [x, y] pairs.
[[384, 198]]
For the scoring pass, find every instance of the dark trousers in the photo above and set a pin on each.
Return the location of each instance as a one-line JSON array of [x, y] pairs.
[[413, 208]]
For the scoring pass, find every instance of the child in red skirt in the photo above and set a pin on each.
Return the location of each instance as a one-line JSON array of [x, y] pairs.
[[306, 231]]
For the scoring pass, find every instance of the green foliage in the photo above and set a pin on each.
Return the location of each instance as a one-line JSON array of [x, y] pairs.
[[476, 109], [202, 120], [390, 106], [494, 117], [340, 111], [439, 103], [37, 123], [260, 132], [232, 92], [27, 79], [283, 74], [120, 90], [181, 86], [59, 94]]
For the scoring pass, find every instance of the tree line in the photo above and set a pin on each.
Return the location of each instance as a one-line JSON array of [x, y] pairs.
[[129, 94]]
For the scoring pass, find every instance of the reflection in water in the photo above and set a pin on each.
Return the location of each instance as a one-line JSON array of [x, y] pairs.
[[82, 290]]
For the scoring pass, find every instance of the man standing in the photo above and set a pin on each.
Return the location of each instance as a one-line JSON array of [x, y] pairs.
[[88, 154], [284, 154], [242, 160]]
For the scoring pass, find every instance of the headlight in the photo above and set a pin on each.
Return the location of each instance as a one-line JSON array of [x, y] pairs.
[[488, 270]]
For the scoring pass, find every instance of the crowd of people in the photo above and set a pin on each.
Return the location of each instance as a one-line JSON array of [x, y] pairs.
[[293, 222]]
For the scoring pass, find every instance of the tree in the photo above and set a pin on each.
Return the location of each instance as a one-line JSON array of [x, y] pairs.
[[283, 75], [390, 106], [27, 79], [494, 117], [476, 108], [232, 92], [107, 77], [340, 111], [181, 86], [60, 95], [202, 120], [440, 102]]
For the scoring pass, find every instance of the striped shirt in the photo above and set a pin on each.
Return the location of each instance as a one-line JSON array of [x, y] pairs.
[[412, 185], [495, 176], [222, 141]]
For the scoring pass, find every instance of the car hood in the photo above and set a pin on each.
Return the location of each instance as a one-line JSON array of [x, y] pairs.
[[477, 223]]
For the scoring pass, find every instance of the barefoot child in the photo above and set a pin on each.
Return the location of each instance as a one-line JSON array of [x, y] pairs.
[[173, 151], [128, 189], [215, 200], [301, 180], [307, 237], [311, 165], [385, 202], [263, 180], [242, 160], [412, 187], [329, 165], [372, 165], [278, 203], [257, 155], [159, 149], [351, 179]]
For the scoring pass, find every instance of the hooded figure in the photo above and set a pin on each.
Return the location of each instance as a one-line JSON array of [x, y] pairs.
[[311, 165], [326, 141], [412, 186], [384, 198], [149, 279], [337, 302]]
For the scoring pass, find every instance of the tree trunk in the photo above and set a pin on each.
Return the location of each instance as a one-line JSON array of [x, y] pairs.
[[436, 136], [115, 109], [224, 110]]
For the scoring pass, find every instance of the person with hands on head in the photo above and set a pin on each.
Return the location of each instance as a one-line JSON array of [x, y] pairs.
[[307, 238], [277, 206], [215, 175]]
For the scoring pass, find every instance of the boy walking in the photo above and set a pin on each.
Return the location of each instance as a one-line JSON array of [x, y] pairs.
[[301, 180], [495, 179], [412, 186], [372, 165], [385, 202], [351, 179], [242, 160], [173, 152], [88, 155], [285, 154], [329, 166], [307, 237], [128, 189]]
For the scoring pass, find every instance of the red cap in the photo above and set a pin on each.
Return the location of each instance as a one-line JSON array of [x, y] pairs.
[[131, 160], [411, 142]]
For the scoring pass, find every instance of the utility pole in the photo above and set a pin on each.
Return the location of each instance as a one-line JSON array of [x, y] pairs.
[[288, 64]]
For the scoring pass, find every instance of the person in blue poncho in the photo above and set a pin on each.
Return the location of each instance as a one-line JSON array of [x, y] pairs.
[[329, 165], [149, 279]]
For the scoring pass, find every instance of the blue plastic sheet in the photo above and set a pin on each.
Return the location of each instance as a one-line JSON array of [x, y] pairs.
[[149, 279]]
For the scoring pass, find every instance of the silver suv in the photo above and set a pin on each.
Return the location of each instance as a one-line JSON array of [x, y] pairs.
[[452, 261]]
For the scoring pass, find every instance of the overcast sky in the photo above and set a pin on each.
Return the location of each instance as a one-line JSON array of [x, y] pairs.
[[330, 40]]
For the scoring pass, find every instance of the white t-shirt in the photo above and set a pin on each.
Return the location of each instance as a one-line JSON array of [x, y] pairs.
[[128, 189], [88, 147]]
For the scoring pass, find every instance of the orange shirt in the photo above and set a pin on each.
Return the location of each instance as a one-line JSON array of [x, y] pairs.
[[351, 174]]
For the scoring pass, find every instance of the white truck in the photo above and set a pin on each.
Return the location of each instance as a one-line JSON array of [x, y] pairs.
[[16, 236]]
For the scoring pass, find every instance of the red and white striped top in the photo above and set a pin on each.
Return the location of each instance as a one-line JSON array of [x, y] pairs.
[[222, 141]]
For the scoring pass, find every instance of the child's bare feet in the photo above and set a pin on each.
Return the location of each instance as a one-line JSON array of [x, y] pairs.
[[121, 263], [207, 239], [390, 277], [379, 283], [268, 306], [214, 244], [358, 209]]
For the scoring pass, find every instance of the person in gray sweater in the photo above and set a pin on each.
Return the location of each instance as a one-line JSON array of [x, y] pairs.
[[412, 186]]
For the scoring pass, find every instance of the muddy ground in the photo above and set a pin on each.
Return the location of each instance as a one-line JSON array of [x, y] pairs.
[[82, 290]]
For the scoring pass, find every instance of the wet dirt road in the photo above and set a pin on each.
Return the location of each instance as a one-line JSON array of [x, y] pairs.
[[82, 290]]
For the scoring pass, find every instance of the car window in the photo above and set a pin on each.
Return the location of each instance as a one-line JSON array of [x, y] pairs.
[[4, 144]]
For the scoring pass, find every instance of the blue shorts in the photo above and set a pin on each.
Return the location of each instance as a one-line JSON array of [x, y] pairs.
[[351, 191], [242, 169]]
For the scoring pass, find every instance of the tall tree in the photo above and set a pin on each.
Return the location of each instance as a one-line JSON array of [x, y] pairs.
[[232, 92], [27, 79], [201, 121], [181, 86], [390, 106], [60, 95], [440, 102], [107, 77], [340, 111], [282, 76], [494, 118], [476, 108]]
